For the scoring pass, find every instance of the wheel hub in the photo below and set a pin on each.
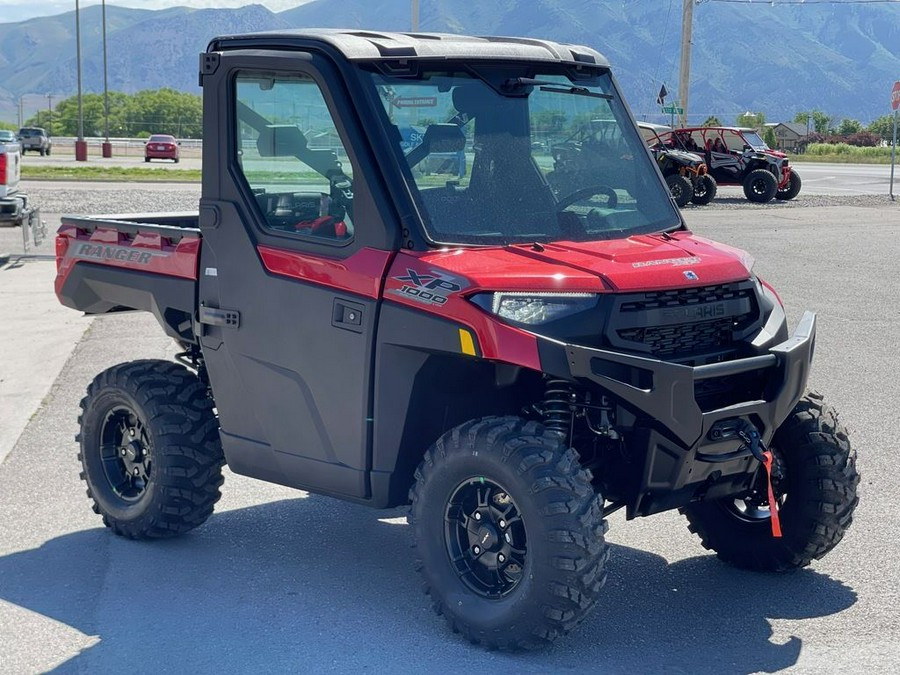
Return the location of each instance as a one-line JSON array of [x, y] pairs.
[[125, 451], [485, 537]]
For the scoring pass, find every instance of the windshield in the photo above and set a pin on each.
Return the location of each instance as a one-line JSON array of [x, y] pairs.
[[754, 140], [497, 156]]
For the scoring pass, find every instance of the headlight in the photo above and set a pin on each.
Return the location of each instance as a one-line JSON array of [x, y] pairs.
[[535, 308]]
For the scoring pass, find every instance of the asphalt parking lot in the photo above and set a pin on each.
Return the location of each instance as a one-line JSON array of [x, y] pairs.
[[283, 581]]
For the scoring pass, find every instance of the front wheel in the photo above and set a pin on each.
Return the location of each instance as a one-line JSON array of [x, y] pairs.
[[760, 186], [150, 449], [815, 482], [509, 533], [792, 189], [705, 190], [681, 188]]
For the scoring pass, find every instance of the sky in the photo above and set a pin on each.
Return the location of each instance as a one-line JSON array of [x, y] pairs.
[[20, 10]]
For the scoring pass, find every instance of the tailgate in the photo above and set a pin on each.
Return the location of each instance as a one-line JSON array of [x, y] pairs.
[[144, 262]]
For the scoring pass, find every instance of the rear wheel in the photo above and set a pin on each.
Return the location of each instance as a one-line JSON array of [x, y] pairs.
[[509, 533], [792, 189], [681, 188], [146, 159], [150, 450], [815, 481], [760, 186], [705, 190]]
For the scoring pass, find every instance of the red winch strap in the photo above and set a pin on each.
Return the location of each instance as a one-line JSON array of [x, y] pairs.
[[773, 504]]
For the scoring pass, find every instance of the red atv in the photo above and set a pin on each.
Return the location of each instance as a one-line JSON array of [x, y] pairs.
[[515, 357], [738, 156]]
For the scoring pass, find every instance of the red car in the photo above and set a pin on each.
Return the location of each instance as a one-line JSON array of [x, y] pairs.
[[161, 146]]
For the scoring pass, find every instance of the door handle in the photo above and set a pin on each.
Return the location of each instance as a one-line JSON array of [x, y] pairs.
[[348, 315]]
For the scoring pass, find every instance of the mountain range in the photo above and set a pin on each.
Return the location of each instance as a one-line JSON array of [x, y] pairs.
[[775, 58]]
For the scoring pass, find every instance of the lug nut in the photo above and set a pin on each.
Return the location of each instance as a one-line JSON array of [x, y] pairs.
[[122, 451], [502, 523], [477, 516], [476, 550], [135, 471], [131, 432], [501, 557]]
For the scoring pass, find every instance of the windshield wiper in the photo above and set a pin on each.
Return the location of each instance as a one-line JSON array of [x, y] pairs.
[[516, 84], [578, 91]]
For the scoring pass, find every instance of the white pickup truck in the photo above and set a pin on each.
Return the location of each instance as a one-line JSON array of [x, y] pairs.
[[15, 207]]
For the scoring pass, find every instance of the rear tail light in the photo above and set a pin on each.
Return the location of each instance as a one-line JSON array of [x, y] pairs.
[[3, 166]]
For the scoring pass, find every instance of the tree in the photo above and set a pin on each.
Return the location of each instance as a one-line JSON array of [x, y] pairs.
[[135, 115], [865, 139], [712, 121], [849, 127], [820, 121], [769, 137], [751, 119], [883, 127]]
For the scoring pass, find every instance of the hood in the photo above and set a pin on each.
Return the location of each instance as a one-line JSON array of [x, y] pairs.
[[646, 262], [685, 156]]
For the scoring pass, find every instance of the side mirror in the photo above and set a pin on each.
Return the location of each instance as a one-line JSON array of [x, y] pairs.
[[444, 138], [281, 140]]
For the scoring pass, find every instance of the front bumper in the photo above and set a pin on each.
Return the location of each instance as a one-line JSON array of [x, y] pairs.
[[690, 453]]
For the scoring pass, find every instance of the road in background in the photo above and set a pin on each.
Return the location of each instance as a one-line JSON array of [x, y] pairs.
[[281, 581], [818, 179]]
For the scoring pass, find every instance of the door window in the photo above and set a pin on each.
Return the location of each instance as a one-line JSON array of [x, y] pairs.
[[292, 157]]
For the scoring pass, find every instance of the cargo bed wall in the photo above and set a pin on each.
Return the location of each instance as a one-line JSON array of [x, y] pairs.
[[145, 262]]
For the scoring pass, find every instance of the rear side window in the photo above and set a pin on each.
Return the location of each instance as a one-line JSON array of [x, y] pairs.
[[292, 157]]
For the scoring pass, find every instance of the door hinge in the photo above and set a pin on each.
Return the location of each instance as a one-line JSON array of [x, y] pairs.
[[214, 316]]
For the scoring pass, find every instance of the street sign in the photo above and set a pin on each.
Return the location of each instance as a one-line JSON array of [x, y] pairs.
[[415, 101], [895, 96], [672, 110]]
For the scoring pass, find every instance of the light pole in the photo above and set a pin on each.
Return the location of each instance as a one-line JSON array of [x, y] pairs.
[[50, 114], [107, 146], [80, 144]]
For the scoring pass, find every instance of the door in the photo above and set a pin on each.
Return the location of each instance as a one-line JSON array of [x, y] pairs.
[[291, 272]]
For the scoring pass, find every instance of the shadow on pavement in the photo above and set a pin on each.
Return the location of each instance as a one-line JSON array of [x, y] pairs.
[[313, 584]]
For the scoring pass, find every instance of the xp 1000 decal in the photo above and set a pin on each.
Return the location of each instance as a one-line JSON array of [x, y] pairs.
[[430, 288]]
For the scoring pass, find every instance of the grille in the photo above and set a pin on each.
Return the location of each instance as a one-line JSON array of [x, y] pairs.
[[682, 339], [686, 322], [686, 297]]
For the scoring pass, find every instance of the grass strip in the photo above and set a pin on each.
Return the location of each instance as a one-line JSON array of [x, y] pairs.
[[110, 173]]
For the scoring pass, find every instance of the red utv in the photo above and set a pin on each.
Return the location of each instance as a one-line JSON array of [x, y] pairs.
[[739, 156]]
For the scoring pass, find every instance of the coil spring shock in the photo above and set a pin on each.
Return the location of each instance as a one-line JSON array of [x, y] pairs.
[[557, 408]]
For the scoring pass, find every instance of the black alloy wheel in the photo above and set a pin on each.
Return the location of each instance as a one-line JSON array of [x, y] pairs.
[[760, 186], [485, 537], [814, 478], [509, 533], [149, 449], [126, 454]]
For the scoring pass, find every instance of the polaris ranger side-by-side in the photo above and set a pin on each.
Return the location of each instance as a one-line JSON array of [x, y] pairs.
[[515, 359]]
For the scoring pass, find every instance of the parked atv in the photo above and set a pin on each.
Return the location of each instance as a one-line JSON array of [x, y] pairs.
[[515, 353], [738, 156], [685, 172]]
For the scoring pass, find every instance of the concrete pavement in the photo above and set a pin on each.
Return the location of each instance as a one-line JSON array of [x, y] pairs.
[[37, 334], [282, 581]]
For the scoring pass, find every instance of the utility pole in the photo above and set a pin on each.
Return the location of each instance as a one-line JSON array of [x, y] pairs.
[[684, 83], [50, 113], [80, 144], [415, 16], [106, 150]]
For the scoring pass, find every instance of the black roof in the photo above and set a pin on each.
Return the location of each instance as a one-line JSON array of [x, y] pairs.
[[362, 45]]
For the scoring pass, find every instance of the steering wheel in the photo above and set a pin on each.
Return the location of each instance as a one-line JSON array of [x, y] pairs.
[[585, 193]]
